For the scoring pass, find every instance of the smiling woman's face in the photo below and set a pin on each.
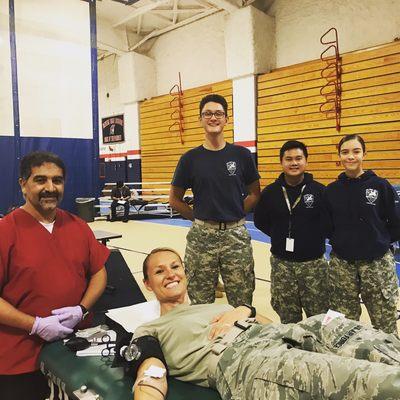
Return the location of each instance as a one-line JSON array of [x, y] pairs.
[[351, 156], [166, 276]]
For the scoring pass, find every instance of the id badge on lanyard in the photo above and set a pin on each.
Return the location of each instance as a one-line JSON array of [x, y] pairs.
[[289, 239]]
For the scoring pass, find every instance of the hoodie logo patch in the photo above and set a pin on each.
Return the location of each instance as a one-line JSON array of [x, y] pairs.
[[371, 195], [231, 167], [309, 200]]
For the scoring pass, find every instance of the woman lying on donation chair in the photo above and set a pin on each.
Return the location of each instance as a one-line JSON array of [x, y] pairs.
[[313, 359]]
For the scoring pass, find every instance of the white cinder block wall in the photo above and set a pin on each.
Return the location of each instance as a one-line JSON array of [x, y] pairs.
[[247, 42], [6, 106], [109, 93], [249, 50], [196, 50], [360, 23], [54, 81]]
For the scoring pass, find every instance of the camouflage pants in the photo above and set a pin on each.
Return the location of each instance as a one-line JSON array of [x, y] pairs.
[[343, 360], [210, 252], [376, 281], [298, 285]]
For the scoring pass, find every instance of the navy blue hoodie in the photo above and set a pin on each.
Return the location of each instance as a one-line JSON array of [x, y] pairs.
[[363, 216], [271, 216]]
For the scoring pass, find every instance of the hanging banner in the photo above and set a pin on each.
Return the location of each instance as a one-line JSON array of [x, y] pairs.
[[113, 129]]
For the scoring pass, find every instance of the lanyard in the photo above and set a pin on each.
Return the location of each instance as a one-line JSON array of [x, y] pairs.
[[297, 201]]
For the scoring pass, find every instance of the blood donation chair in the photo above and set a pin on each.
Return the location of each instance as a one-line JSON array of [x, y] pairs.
[[92, 378]]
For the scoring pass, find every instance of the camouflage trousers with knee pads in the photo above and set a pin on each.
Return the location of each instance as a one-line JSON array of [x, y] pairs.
[[376, 281], [341, 360], [210, 252], [298, 285]]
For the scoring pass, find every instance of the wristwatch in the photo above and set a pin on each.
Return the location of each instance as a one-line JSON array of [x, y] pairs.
[[252, 309], [85, 311]]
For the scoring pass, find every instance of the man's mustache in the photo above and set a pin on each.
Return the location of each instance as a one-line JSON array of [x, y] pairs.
[[48, 195]]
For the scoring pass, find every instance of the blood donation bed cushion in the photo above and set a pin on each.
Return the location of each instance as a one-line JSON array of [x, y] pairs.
[[88, 377]]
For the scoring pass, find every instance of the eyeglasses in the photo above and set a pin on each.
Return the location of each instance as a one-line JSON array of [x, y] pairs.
[[216, 114]]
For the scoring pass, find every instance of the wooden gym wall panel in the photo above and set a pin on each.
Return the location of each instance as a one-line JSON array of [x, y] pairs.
[[161, 148], [288, 108]]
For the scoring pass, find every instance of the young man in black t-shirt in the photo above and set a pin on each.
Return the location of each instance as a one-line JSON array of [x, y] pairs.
[[225, 185]]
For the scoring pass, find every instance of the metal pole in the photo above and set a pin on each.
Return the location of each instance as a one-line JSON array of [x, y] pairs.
[[14, 78], [95, 99]]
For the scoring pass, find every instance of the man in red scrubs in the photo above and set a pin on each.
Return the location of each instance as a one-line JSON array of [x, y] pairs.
[[51, 272]]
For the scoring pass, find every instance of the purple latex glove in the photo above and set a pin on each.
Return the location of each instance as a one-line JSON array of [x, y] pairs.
[[50, 328], [69, 316]]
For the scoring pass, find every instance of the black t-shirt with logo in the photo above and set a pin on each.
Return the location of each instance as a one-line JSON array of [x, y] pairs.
[[218, 180]]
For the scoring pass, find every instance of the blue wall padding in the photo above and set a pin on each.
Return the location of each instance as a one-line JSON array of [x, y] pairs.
[[8, 186], [115, 171], [76, 153], [127, 171], [134, 170]]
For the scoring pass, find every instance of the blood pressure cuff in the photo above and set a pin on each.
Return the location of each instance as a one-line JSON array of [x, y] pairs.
[[148, 347]]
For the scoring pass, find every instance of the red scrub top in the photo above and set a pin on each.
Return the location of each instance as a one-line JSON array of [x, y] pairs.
[[41, 271]]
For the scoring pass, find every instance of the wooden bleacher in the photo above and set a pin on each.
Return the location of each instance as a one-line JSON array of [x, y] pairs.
[[288, 108]]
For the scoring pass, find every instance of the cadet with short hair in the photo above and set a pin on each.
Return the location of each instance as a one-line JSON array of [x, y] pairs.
[[363, 211], [225, 185], [289, 211]]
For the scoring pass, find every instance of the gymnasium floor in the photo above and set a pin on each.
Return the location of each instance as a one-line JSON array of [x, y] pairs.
[[140, 237]]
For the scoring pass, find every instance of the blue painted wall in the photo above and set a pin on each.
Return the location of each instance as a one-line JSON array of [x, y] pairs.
[[76, 153], [134, 170], [115, 171], [127, 171], [8, 185]]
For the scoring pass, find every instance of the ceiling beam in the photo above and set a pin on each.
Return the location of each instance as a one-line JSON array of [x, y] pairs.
[[160, 16], [203, 3], [140, 11], [186, 21], [110, 49], [101, 57], [175, 8], [139, 25], [224, 4], [178, 11]]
